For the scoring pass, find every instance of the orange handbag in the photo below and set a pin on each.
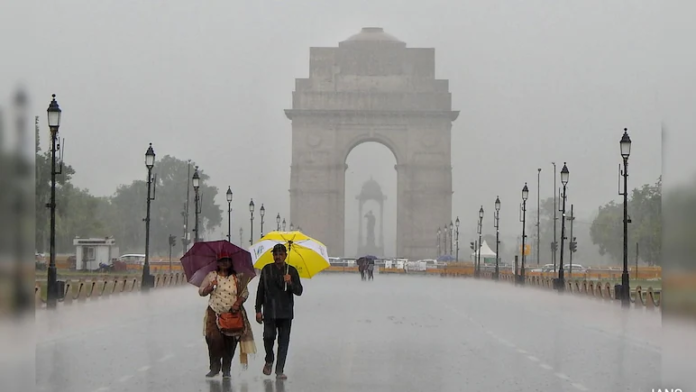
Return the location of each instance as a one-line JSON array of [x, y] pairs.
[[231, 322]]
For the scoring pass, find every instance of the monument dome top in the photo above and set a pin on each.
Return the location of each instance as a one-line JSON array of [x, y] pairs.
[[373, 35], [371, 190]]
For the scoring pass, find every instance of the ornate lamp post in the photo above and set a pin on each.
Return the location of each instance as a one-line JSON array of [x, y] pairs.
[[538, 224], [565, 175], [229, 213], [525, 196], [262, 212], [496, 224], [196, 182], [54, 113], [292, 227], [479, 229], [451, 234], [625, 145], [554, 244], [456, 223], [251, 220], [283, 224], [439, 242], [278, 222], [149, 163]]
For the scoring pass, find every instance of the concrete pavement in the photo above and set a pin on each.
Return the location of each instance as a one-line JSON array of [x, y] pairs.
[[397, 333]]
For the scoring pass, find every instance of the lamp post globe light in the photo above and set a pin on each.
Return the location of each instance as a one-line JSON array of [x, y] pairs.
[[284, 224], [292, 227], [262, 212], [456, 224], [278, 222], [525, 196], [625, 146], [496, 224], [565, 176], [477, 270], [54, 113], [196, 183], [251, 220], [229, 196]]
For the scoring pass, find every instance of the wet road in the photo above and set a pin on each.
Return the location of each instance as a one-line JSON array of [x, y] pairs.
[[397, 333]]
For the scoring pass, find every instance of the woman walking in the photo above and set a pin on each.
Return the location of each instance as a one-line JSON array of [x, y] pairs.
[[228, 292]]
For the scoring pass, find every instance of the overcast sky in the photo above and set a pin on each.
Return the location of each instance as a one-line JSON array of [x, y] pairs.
[[536, 81]]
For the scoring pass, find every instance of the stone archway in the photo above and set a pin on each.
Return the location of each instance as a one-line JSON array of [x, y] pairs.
[[372, 88]]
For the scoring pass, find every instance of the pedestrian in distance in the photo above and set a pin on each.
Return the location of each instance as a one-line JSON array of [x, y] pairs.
[[278, 284]]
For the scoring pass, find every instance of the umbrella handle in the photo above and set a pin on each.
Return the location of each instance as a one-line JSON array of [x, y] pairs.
[[287, 269]]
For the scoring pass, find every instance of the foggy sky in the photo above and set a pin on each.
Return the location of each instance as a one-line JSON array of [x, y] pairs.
[[536, 81]]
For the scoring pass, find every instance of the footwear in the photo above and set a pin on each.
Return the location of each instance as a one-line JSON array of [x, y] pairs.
[[281, 376], [212, 373], [267, 369], [226, 374]]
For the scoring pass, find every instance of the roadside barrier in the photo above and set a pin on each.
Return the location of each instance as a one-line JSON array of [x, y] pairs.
[[583, 284], [83, 289]]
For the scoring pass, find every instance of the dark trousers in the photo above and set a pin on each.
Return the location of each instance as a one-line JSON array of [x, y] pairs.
[[281, 327], [221, 347]]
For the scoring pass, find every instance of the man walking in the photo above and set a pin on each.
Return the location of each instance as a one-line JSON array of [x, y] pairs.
[[278, 284]]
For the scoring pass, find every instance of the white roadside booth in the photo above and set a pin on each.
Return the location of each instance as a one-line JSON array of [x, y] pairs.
[[487, 254], [90, 252]]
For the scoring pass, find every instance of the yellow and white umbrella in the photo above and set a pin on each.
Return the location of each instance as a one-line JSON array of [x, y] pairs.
[[306, 254]]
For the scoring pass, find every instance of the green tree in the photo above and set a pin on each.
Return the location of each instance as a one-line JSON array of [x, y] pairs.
[[645, 228], [129, 208], [680, 228], [78, 216]]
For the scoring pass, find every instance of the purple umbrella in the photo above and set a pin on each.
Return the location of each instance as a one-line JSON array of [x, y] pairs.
[[202, 258]]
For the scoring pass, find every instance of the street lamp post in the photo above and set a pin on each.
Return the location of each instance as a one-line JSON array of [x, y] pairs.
[[625, 145], [186, 235], [196, 182], [565, 176], [278, 222], [54, 113], [496, 223], [480, 233], [149, 163], [283, 224], [456, 223], [251, 220], [538, 224], [292, 227], [451, 233], [262, 212], [229, 213], [554, 244], [439, 242], [525, 196]]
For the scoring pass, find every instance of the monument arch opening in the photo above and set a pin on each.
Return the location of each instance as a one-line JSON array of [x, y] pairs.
[[370, 202], [372, 87]]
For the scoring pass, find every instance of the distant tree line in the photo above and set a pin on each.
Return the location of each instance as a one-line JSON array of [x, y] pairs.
[[645, 227], [81, 214]]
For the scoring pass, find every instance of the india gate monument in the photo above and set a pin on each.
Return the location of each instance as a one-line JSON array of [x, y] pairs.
[[372, 88]]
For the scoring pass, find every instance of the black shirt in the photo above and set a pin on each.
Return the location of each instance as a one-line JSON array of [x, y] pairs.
[[272, 297]]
